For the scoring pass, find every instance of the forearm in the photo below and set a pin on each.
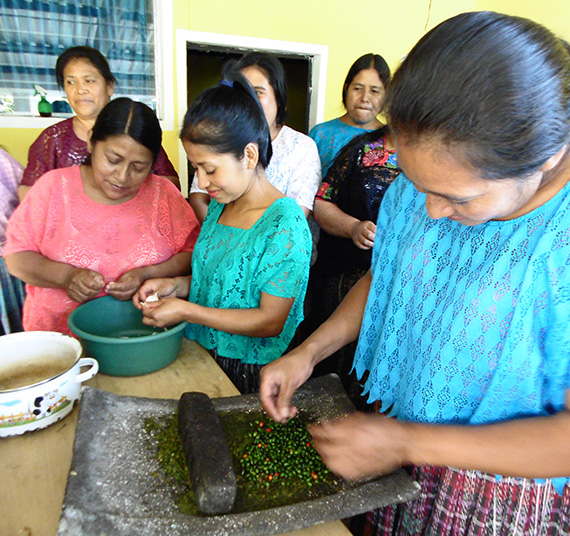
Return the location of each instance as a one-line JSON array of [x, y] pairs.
[[39, 271], [343, 326], [333, 220], [248, 322], [532, 448], [178, 265]]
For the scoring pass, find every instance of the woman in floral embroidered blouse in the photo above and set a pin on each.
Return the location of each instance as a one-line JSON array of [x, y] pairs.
[[346, 208]]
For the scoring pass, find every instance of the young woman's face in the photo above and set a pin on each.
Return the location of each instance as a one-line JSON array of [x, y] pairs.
[[364, 97], [119, 166], [454, 190], [265, 93], [223, 176], [86, 89]]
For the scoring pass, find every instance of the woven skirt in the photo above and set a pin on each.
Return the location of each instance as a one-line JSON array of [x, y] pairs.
[[244, 376], [469, 503]]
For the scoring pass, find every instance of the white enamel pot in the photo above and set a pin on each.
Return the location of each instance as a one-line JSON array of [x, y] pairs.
[[45, 400]]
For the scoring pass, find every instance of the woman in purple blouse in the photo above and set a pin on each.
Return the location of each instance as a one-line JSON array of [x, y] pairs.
[[84, 73]]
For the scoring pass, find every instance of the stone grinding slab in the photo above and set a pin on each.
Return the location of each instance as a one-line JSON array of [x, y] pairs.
[[113, 489]]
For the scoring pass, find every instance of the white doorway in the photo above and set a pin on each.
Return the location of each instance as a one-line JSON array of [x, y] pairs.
[[200, 56]]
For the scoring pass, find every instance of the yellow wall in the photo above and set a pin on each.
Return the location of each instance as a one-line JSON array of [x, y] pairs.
[[349, 29]]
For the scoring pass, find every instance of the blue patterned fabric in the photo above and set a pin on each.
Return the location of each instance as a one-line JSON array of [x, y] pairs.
[[330, 137], [467, 325], [231, 267]]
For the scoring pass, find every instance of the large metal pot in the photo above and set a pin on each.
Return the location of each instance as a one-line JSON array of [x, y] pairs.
[[40, 379]]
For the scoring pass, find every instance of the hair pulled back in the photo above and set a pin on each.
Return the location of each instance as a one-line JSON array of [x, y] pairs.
[[492, 86], [226, 118], [92, 55], [368, 61], [135, 119]]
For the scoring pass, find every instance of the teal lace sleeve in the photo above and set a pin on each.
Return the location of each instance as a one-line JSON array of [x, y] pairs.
[[282, 266]]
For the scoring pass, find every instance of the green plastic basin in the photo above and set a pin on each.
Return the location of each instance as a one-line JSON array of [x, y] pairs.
[[112, 332]]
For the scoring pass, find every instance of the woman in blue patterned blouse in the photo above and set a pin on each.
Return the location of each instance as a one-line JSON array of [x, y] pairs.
[[463, 318], [250, 265]]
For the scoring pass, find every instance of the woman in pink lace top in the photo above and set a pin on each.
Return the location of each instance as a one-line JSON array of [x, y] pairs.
[[84, 74], [103, 227]]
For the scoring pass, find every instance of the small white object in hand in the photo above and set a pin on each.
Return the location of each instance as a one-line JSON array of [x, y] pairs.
[[152, 298]]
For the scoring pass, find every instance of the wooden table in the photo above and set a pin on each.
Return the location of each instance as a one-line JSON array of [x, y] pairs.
[[34, 467]]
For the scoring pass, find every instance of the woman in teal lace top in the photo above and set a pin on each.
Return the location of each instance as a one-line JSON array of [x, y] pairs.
[[250, 264], [463, 324]]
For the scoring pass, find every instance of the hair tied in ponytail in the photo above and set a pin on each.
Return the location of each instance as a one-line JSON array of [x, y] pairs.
[[226, 83]]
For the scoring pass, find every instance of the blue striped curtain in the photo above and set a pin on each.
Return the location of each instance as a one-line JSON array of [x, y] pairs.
[[34, 33]]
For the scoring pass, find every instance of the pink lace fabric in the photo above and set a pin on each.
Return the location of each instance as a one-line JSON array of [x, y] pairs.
[[58, 220], [58, 147]]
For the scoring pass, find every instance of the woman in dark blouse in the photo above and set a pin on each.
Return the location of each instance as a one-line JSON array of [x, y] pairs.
[[346, 208]]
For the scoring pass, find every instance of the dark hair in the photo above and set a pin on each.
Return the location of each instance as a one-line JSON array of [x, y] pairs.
[[227, 117], [368, 61], [135, 119], [92, 55], [493, 86], [272, 68]]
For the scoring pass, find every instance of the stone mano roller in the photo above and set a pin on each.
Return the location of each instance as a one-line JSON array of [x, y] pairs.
[[207, 455]]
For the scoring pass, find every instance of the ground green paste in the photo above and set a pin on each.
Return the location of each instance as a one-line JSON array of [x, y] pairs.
[[275, 464]]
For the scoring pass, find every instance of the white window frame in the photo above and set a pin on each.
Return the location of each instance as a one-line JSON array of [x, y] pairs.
[[319, 54], [164, 68]]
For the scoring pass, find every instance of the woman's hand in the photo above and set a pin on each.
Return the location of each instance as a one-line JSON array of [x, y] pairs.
[[176, 287], [279, 380], [124, 288], [165, 312], [336, 222], [361, 445], [84, 284], [363, 234]]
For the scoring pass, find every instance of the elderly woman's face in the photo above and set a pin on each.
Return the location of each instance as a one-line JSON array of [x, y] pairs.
[[119, 166], [86, 89], [453, 190]]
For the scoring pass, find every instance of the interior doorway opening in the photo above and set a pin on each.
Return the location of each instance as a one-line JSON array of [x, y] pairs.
[[205, 64], [201, 57]]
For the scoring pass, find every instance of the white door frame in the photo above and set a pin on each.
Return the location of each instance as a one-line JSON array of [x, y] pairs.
[[319, 54]]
